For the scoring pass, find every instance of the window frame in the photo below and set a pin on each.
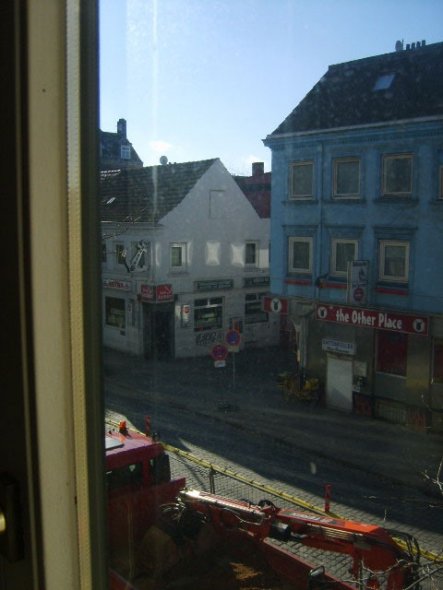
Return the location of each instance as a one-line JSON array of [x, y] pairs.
[[298, 165], [292, 240], [125, 152], [107, 306], [336, 164], [184, 259], [383, 244], [215, 303], [253, 264], [386, 158], [334, 243]]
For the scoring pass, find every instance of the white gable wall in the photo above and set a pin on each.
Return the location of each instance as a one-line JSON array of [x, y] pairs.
[[214, 221]]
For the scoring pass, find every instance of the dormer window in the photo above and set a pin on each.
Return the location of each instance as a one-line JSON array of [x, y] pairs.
[[384, 82], [125, 152]]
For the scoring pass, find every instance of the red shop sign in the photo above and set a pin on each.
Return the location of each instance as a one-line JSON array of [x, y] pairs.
[[371, 318], [164, 293]]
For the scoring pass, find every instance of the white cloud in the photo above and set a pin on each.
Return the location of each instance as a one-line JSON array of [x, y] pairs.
[[160, 146]]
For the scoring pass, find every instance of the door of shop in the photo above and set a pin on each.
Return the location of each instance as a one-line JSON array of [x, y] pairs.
[[158, 331], [339, 383]]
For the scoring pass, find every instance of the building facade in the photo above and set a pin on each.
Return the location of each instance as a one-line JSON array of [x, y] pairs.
[[185, 260], [357, 233]]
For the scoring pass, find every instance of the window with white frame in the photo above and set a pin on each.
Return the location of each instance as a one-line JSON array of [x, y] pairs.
[[120, 253], [178, 256], [397, 175], [342, 252], [300, 255], [125, 152], [208, 314], [347, 177], [394, 260], [301, 180], [251, 254]]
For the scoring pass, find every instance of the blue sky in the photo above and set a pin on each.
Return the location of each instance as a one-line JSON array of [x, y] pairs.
[[198, 79]]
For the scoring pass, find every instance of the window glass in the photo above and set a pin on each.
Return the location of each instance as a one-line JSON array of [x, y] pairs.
[[208, 313], [344, 251], [302, 180], [397, 175], [251, 253], [346, 178], [394, 260], [300, 253], [254, 308], [392, 349], [115, 312]]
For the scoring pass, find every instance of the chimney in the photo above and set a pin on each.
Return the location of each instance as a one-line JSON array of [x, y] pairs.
[[258, 168], [399, 46], [121, 128]]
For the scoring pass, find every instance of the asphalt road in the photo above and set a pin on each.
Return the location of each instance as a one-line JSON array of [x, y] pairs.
[[355, 495]]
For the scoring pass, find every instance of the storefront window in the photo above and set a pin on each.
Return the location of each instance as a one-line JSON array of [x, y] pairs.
[[392, 348], [208, 314], [115, 312], [254, 308]]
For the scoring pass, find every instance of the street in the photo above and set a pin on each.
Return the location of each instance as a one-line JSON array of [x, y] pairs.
[[217, 432]]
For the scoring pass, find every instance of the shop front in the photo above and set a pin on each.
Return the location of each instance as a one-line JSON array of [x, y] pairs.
[[373, 362]]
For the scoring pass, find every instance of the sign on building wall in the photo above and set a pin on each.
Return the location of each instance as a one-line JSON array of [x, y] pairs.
[[371, 318], [358, 282], [275, 304], [263, 281], [116, 284], [215, 285], [156, 293]]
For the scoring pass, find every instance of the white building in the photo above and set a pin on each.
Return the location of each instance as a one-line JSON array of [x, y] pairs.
[[185, 259]]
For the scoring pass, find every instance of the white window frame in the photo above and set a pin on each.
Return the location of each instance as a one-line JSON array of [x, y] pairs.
[[294, 240], [253, 264], [336, 164], [334, 244], [120, 253], [296, 165], [184, 259], [383, 244], [391, 157], [125, 152]]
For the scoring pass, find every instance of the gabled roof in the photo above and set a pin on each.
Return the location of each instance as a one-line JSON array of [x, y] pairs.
[[406, 84], [147, 194]]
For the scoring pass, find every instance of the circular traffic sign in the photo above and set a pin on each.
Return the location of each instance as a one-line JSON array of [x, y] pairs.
[[219, 352], [233, 337]]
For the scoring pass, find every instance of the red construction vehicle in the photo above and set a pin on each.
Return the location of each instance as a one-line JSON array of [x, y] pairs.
[[162, 535]]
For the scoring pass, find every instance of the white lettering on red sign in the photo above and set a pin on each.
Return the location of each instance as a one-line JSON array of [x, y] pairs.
[[368, 318]]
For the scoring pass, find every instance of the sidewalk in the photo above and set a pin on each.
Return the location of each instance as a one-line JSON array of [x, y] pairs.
[[245, 395]]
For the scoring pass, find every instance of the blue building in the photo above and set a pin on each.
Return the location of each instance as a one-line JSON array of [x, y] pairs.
[[357, 233]]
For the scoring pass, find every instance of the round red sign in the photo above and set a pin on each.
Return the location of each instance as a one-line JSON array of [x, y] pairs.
[[219, 352]]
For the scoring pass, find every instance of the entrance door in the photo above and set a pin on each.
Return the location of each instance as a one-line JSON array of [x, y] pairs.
[[339, 383], [158, 331]]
